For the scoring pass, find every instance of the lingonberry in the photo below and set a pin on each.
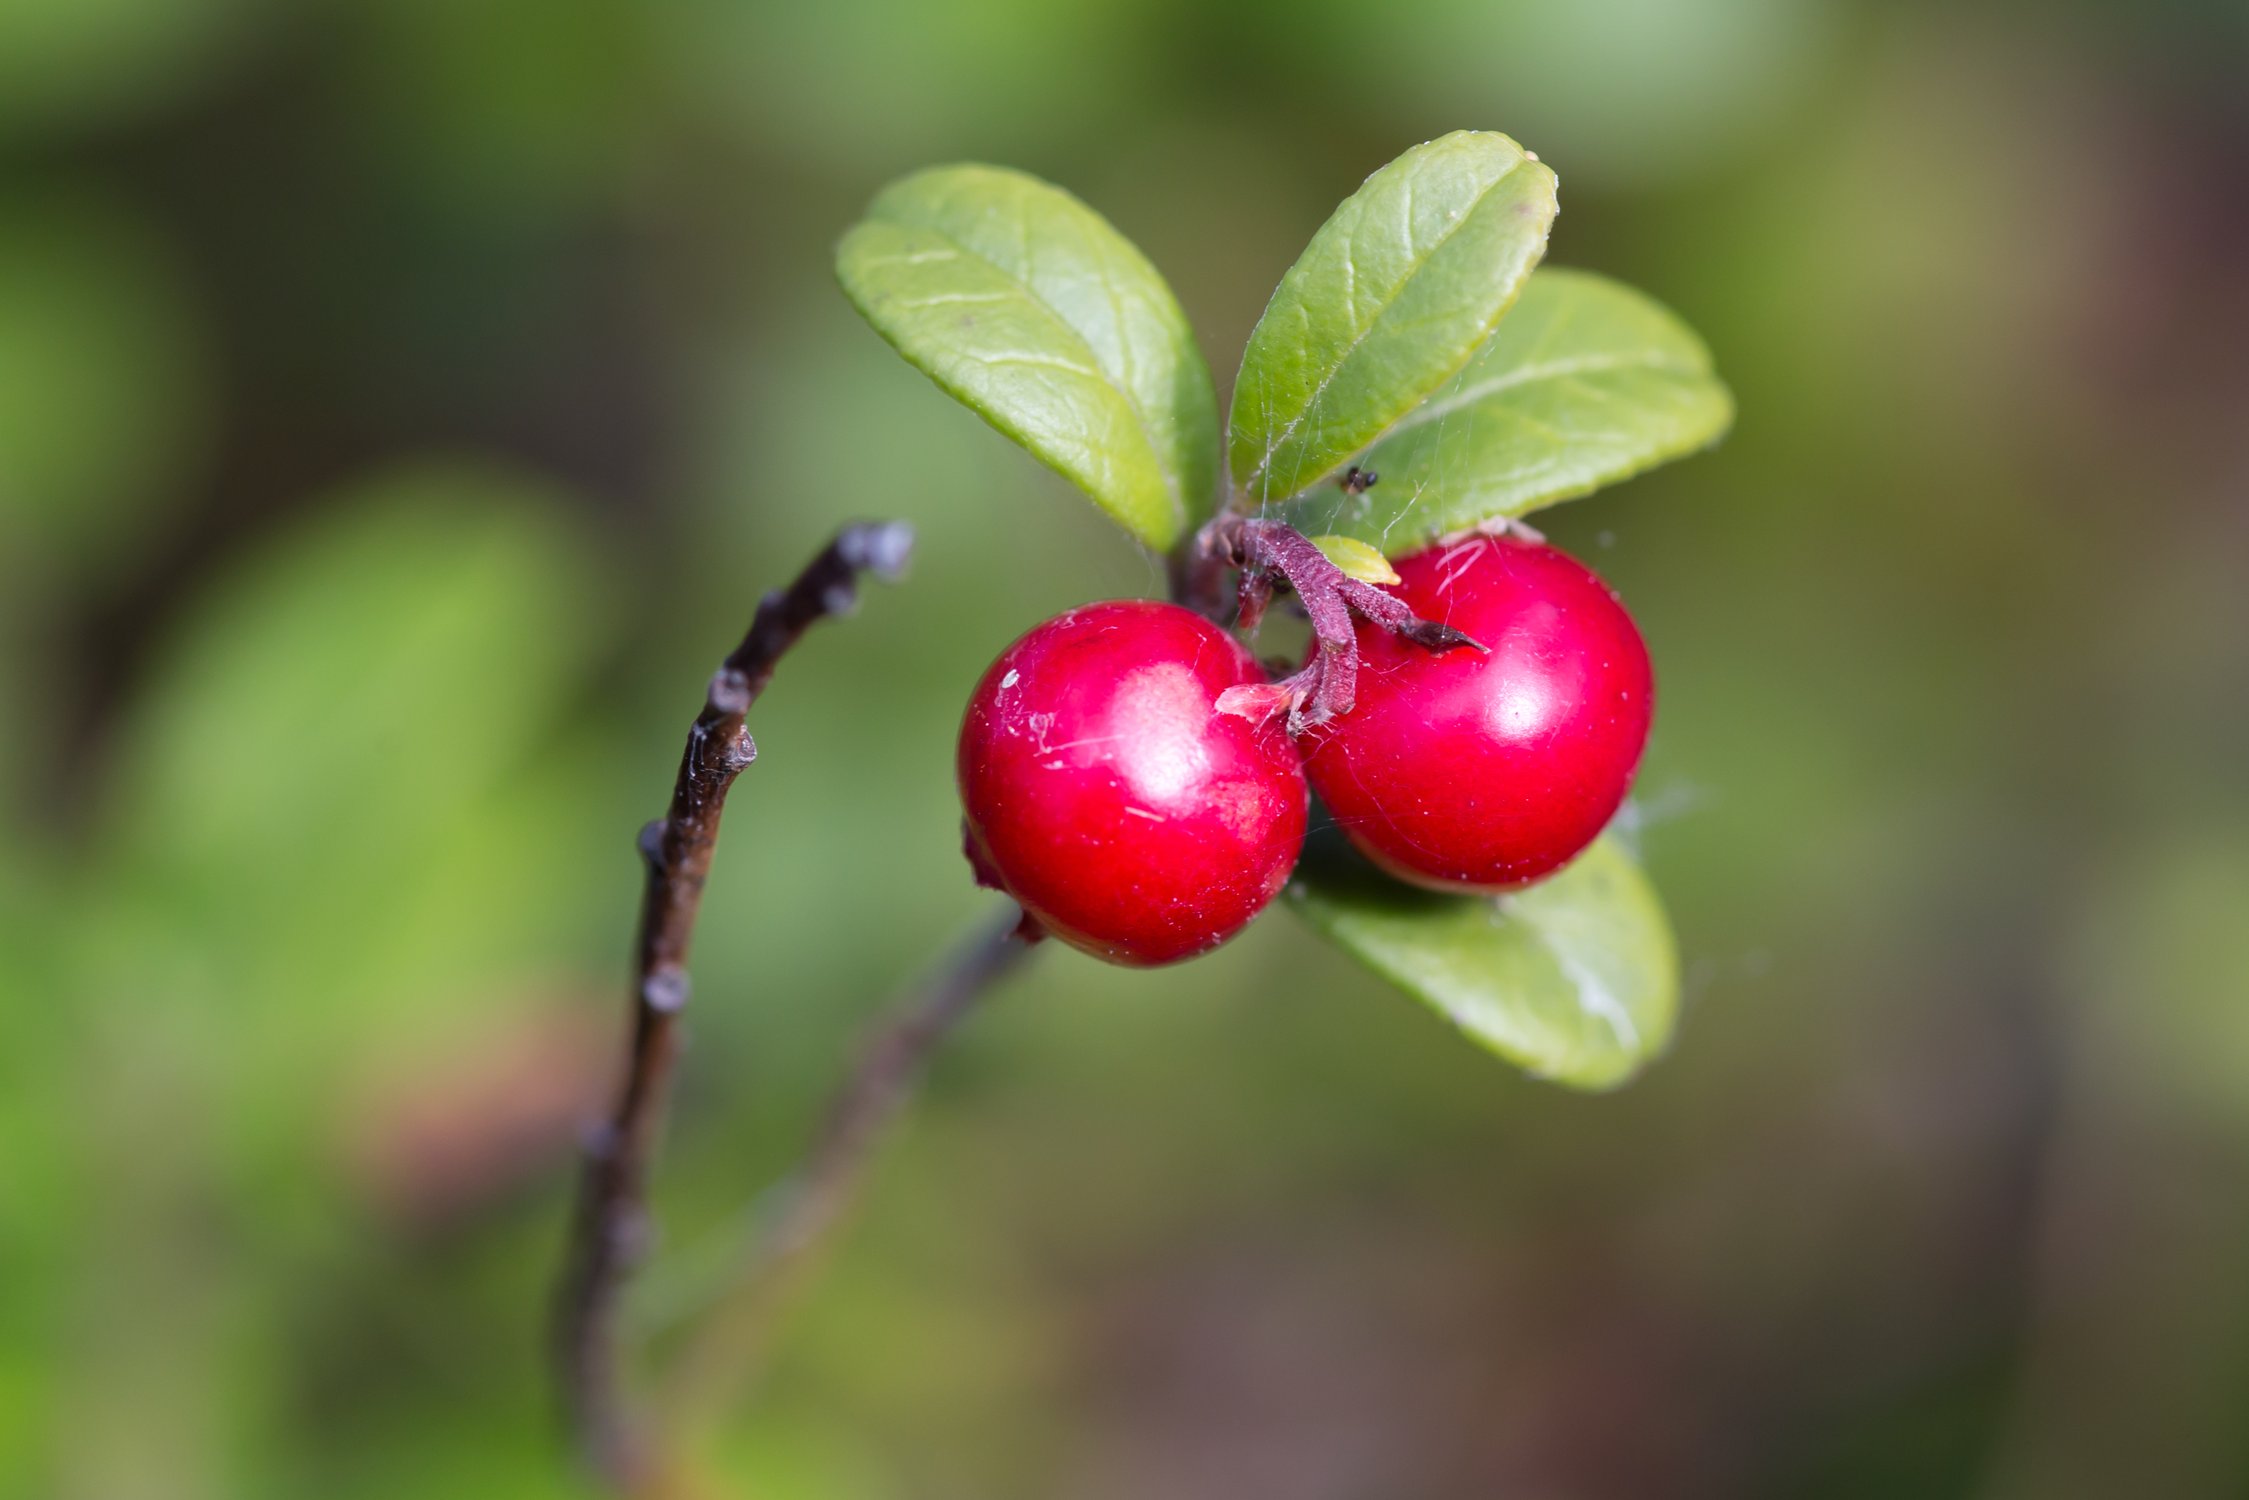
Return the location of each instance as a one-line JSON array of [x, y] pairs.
[[1109, 797], [1487, 770]]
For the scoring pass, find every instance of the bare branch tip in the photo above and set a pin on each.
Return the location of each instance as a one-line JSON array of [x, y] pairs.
[[883, 548]]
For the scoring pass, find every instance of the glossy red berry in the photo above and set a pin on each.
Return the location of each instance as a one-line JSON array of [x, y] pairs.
[[1107, 795], [1487, 770]]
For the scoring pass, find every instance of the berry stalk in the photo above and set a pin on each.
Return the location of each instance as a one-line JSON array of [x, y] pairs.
[[1268, 553]]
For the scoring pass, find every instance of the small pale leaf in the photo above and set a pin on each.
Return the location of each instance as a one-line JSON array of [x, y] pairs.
[[1028, 307], [1584, 383], [1356, 559], [1575, 979], [1395, 292], [1254, 701]]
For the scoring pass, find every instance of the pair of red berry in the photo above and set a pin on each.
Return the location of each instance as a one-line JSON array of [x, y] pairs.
[[1108, 795]]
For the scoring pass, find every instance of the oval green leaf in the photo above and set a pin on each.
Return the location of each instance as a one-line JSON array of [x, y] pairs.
[[343, 698], [1355, 559], [1028, 307], [1575, 979], [1585, 382], [1392, 296]]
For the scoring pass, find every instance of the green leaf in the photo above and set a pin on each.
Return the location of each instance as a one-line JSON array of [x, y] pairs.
[[1576, 978], [1586, 382], [328, 720], [1389, 300], [345, 689], [1356, 559], [343, 802], [1031, 309]]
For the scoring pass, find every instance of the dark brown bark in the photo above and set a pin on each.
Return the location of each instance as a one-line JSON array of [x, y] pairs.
[[612, 1226]]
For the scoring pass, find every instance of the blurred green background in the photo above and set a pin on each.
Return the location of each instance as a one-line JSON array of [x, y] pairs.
[[402, 404]]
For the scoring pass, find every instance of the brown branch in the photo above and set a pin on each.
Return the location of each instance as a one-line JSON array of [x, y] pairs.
[[611, 1230], [723, 1356]]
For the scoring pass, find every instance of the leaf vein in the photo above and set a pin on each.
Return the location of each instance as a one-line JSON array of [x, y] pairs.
[[1367, 327]]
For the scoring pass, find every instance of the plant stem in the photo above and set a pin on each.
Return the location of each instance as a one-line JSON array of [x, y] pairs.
[[1270, 552], [724, 1355], [611, 1230]]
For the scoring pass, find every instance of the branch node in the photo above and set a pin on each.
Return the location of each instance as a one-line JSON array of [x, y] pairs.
[[730, 691], [630, 1236], [666, 991]]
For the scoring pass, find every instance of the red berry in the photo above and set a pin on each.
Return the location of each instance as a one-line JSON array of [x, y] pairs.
[[1108, 796], [1487, 770]]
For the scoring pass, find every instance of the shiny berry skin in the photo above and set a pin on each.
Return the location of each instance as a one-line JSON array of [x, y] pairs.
[[1488, 770], [1109, 797]]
